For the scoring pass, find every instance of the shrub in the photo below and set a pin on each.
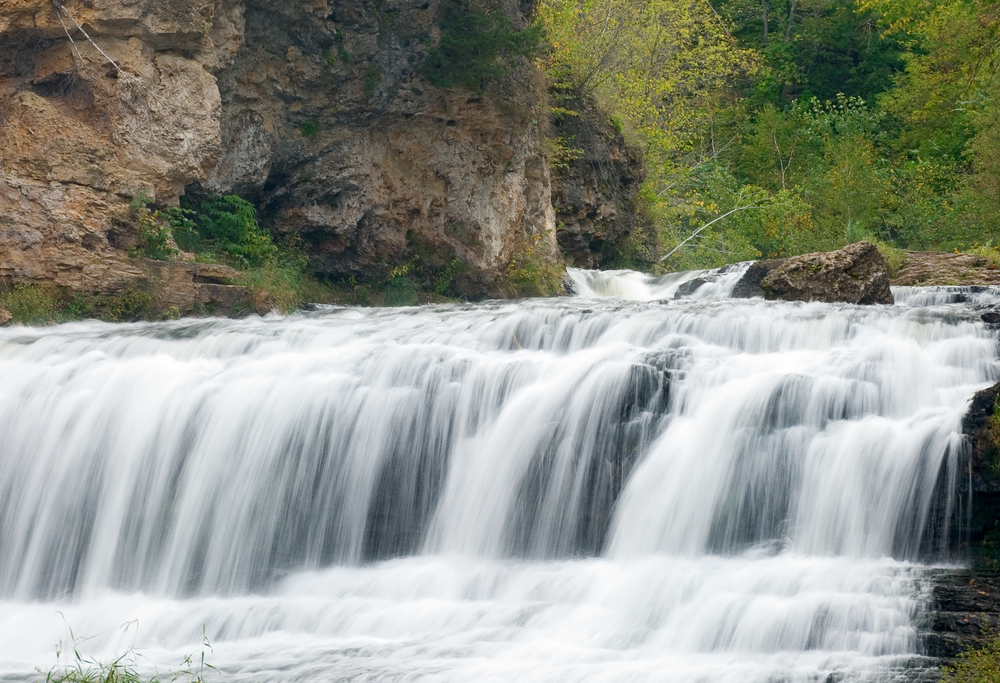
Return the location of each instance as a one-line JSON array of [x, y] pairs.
[[274, 286], [399, 289], [228, 226], [30, 304], [154, 237], [976, 665], [183, 227], [477, 46]]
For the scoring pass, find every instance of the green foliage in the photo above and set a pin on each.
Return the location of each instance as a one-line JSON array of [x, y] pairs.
[[399, 288], [30, 304], [530, 273], [277, 285], [443, 284], [183, 227], [478, 45], [311, 127], [154, 237], [227, 226], [560, 151], [894, 257], [976, 665], [837, 120]]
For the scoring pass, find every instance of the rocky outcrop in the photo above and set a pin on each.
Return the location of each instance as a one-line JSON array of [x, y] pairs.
[[85, 126], [595, 186], [965, 603], [855, 274], [982, 486], [964, 609], [194, 287], [317, 111], [938, 268], [329, 125]]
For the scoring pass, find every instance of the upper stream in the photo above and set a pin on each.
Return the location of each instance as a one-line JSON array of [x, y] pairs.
[[619, 485]]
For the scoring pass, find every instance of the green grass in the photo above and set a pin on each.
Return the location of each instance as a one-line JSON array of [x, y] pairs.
[[73, 667], [894, 257]]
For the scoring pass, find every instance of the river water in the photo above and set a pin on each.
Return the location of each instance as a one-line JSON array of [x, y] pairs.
[[614, 486]]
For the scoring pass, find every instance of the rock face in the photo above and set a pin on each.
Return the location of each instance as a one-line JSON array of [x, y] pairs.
[[936, 268], [316, 111], [86, 126], [330, 127], [965, 603], [855, 274], [983, 484], [595, 186], [964, 607], [188, 287]]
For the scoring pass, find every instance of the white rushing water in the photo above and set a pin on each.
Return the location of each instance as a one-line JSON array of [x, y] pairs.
[[617, 486]]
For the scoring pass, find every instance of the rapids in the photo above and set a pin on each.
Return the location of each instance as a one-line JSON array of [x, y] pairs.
[[635, 483]]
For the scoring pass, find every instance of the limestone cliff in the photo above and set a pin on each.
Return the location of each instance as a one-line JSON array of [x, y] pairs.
[[85, 126], [316, 111]]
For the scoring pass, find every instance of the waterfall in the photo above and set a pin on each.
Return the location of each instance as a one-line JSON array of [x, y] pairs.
[[645, 481]]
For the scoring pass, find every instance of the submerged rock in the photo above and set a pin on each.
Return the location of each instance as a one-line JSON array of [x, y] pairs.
[[855, 274]]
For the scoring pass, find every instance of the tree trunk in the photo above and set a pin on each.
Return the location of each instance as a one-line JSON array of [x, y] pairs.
[[763, 10]]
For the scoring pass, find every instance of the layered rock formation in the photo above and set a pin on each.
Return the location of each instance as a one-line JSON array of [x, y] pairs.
[[88, 125], [316, 111], [855, 274]]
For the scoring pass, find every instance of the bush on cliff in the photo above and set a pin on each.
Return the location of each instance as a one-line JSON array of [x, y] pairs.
[[154, 237], [477, 46], [225, 226]]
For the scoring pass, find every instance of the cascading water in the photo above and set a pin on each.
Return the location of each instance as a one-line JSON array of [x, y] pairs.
[[617, 486]]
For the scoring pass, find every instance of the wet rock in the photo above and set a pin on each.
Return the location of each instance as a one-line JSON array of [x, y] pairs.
[[690, 287], [964, 608], [855, 274], [5, 317], [991, 317]]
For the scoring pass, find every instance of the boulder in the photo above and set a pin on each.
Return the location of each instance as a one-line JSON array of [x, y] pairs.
[[5, 317], [855, 274]]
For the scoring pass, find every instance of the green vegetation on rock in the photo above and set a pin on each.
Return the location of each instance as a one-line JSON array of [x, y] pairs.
[[976, 665], [478, 44]]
